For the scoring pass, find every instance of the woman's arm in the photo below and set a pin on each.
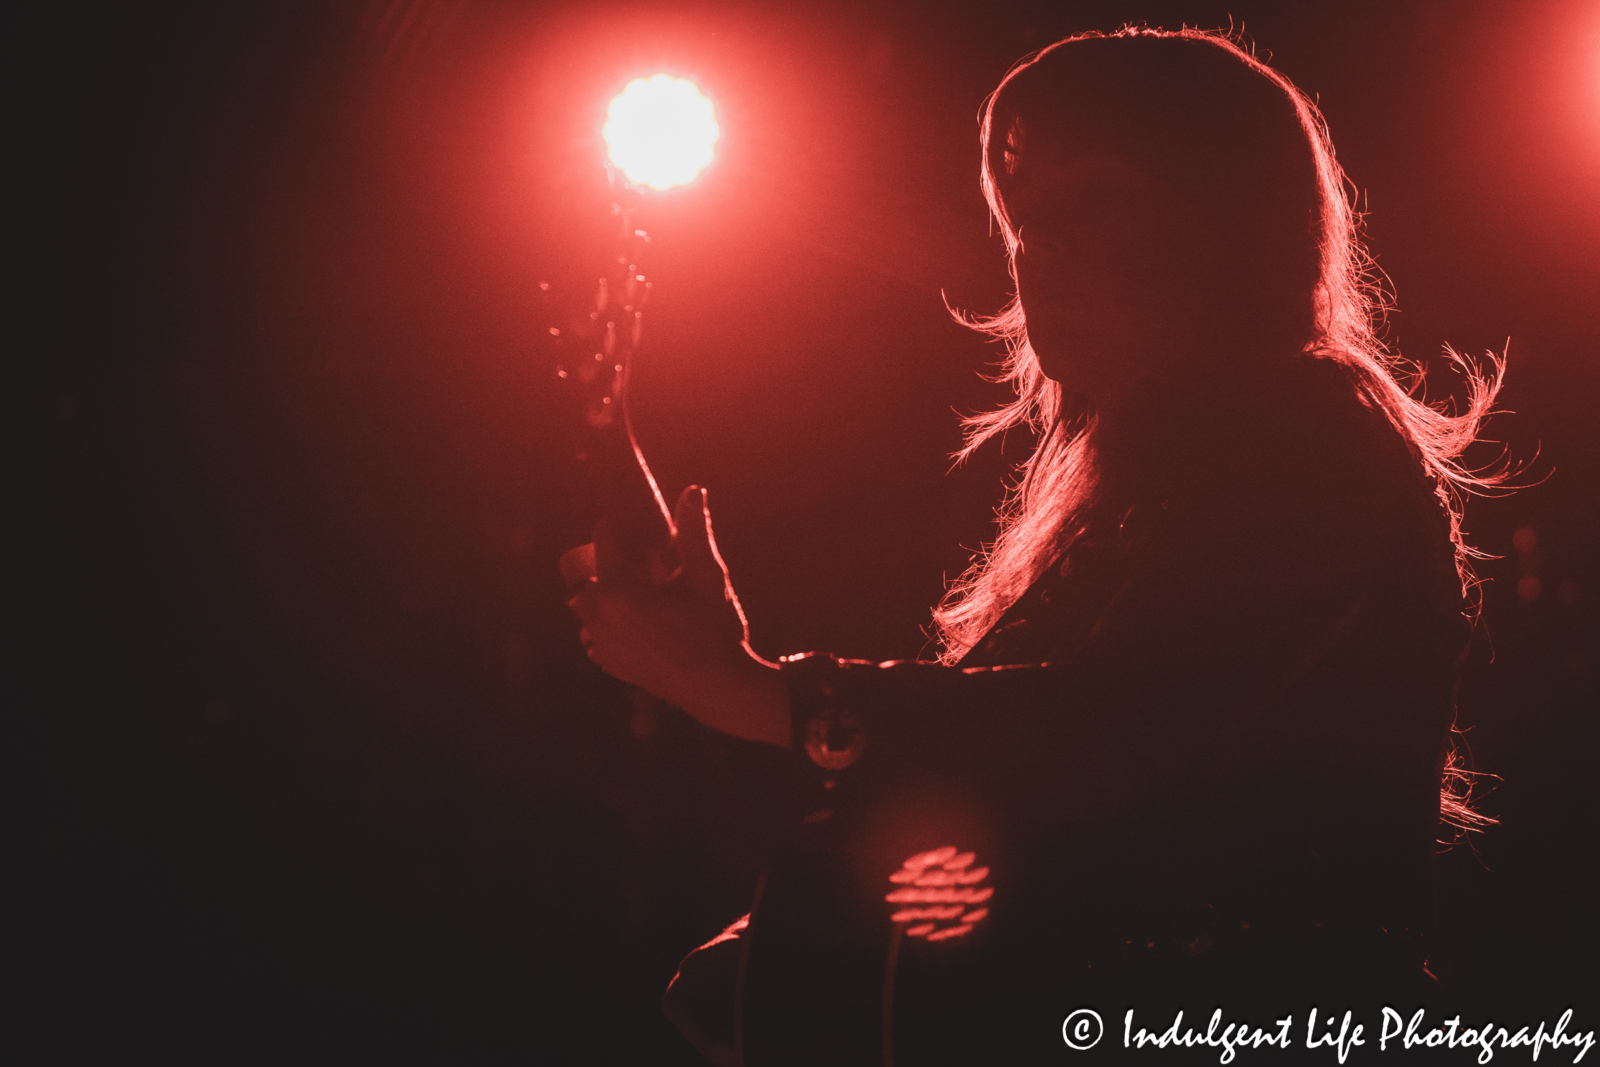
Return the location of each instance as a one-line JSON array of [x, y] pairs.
[[1234, 594]]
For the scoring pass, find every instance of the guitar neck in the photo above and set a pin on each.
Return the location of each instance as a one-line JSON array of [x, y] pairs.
[[594, 344]]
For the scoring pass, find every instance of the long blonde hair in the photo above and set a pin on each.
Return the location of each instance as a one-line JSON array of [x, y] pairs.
[[1057, 482]]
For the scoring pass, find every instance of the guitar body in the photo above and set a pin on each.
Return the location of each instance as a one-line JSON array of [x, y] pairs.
[[879, 939]]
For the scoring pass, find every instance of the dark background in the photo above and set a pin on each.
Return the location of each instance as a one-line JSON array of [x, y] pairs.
[[328, 777]]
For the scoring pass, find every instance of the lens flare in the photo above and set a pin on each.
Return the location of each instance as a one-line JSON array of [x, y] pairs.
[[660, 131]]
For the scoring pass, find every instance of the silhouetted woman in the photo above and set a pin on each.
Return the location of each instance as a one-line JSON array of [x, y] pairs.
[[1188, 737]]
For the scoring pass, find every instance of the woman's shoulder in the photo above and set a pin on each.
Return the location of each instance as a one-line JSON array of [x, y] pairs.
[[1321, 423], [1307, 445], [1366, 474], [1309, 495]]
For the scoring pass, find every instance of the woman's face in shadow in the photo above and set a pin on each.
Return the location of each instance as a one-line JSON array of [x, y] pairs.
[[1115, 271]]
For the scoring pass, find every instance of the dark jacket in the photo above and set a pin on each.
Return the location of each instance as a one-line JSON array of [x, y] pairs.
[[1197, 763]]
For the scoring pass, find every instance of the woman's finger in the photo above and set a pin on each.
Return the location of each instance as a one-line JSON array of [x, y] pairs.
[[702, 570], [578, 565], [610, 561], [584, 603]]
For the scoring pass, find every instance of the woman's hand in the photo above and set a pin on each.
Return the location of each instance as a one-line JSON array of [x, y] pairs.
[[685, 640]]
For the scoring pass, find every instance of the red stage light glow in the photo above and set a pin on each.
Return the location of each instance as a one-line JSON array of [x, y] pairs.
[[661, 131]]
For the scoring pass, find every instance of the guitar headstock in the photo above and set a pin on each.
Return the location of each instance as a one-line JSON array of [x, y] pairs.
[[589, 338]]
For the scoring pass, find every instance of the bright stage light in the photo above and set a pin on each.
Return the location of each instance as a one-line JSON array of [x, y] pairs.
[[661, 131]]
